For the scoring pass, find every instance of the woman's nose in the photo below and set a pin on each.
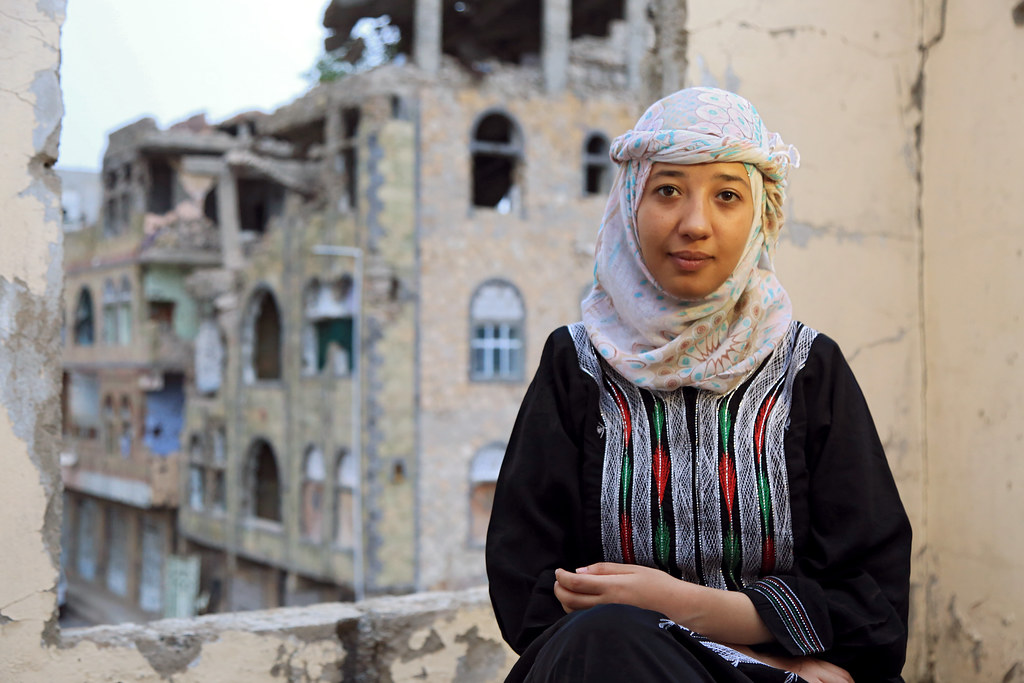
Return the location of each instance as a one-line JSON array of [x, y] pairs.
[[694, 219]]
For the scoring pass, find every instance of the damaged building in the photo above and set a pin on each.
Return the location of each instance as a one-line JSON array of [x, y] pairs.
[[297, 342]]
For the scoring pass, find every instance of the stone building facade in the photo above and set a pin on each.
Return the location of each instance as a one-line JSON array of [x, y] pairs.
[[311, 330]]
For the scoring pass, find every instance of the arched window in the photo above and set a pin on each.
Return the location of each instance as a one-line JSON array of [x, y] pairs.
[[124, 312], [346, 471], [497, 151], [597, 165], [496, 332], [313, 478], [261, 338], [328, 327], [196, 473], [264, 486], [110, 304], [483, 475], [83, 332]]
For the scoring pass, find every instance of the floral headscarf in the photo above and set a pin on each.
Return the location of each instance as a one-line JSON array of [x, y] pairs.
[[648, 336]]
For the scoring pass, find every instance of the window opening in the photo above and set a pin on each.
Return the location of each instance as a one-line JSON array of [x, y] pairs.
[[162, 313], [196, 474], [127, 428], [210, 357], [111, 299], [327, 338], [219, 495], [496, 342], [483, 475], [259, 200], [265, 355], [161, 187], [151, 574], [83, 331], [346, 480], [84, 403], [313, 478], [109, 426], [165, 409], [117, 551], [265, 488], [124, 312], [597, 166], [496, 149], [348, 157], [85, 562]]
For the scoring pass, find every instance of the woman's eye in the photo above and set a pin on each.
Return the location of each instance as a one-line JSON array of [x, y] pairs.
[[666, 191], [728, 195]]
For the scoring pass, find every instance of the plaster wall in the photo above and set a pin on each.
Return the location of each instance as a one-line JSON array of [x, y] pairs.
[[973, 258], [837, 80]]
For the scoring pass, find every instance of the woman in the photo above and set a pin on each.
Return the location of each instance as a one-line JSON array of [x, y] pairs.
[[694, 489]]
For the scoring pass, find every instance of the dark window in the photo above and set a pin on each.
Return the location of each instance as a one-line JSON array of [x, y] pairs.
[[83, 331], [496, 149], [597, 167]]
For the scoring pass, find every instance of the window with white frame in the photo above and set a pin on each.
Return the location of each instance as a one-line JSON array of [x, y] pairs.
[[329, 310], [496, 332]]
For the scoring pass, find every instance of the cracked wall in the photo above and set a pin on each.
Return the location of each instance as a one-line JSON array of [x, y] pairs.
[[837, 81], [972, 97]]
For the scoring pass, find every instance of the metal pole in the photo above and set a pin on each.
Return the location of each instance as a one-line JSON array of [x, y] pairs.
[[356, 254]]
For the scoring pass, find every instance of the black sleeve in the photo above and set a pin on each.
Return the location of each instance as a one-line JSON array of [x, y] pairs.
[[847, 598], [536, 522]]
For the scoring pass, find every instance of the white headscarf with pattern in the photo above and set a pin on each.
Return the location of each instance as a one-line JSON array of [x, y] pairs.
[[648, 336]]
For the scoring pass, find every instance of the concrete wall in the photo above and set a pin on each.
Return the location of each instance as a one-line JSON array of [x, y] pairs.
[[973, 96]]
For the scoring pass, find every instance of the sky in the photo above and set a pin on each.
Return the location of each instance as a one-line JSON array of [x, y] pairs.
[[122, 60]]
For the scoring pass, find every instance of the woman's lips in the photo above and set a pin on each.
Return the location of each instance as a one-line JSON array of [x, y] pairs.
[[691, 260]]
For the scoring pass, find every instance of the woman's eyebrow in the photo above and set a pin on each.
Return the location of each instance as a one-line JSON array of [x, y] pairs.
[[672, 173]]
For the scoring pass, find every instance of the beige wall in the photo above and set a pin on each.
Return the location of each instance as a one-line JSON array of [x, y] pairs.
[[974, 305]]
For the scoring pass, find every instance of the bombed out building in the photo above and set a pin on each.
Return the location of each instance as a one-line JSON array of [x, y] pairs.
[[297, 342]]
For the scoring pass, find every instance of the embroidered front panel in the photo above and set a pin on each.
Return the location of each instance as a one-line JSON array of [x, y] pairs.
[[695, 483]]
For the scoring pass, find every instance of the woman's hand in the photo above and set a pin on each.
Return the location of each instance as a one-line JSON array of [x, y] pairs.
[[608, 582], [723, 616], [808, 668]]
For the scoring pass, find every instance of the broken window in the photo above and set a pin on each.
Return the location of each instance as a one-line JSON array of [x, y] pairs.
[[210, 208], [160, 199], [346, 480], [84, 405], [496, 149], [117, 551], [264, 483], [328, 324], [313, 478], [196, 474], [88, 517], [259, 200], [109, 306], [210, 357], [496, 329], [124, 312], [165, 409], [483, 475], [261, 338], [151, 576], [347, 160], [127, 427], [83, 331], [162, 313], [597, 165]]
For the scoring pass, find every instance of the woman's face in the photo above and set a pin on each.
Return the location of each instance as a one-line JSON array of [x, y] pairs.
[[693, 223]]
